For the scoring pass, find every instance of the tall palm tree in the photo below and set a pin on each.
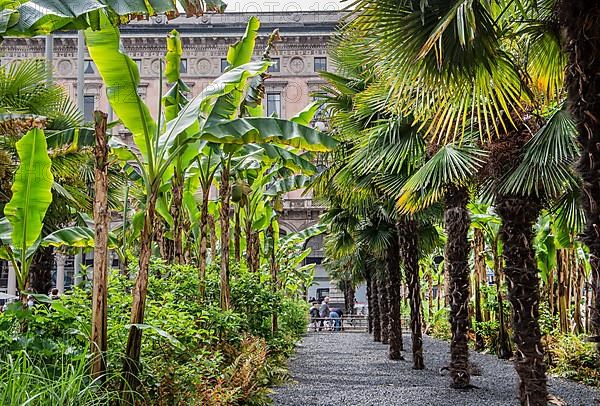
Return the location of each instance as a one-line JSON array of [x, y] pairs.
[[446, 175], [457, 74], [580, 23]]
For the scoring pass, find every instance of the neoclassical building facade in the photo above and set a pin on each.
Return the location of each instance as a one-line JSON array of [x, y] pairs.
[[300, 54]]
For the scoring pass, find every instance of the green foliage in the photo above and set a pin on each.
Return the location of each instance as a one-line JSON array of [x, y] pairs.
[[573, 358], [194, 351], [26, 381], [440, 328]]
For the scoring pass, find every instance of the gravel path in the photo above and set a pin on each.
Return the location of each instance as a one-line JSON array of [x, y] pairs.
[[349, 369]]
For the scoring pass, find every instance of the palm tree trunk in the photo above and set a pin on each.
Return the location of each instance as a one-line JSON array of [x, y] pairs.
[[503, 350], [578, 288], [212, 228], [274, 276], [374, 312], [224, 196], [430, 301], [581, 27], [384, 315], [101, 223], [410, 259], [40, 271], [133, 349], [518, 215], [457, 220], [563, 283], [394, 288], [176, 213], [203, 242], [255, 251], [369, 300], [237, 231], [478, 253], [124, 265], [249, 242], [349, 297]]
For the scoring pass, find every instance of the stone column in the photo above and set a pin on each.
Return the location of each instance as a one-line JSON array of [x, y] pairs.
[[60, 271], [12, 280]]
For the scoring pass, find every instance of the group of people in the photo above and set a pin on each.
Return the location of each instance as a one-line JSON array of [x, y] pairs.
[[322, 317]]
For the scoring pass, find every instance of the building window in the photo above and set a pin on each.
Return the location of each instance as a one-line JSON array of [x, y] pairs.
[[320, 63], [224, 64], [89, 67], [183, 66], [274, 104], [276, 65], [89, 105], [138, 62]]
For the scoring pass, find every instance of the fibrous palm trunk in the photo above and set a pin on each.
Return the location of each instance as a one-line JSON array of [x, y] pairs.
[[101, 224], [224, 197], [274, 272], [410, 260], [479, 279], [176, 212], [562, 257], [580, 20], [394, 288], [374, 311], [212, 228], [237, 234], [40, 271], [384, 315], [457, 221], [349, 296], [133, 349], [369, 300], [518, 215], [577, 291], [504, 349], [203, 242]]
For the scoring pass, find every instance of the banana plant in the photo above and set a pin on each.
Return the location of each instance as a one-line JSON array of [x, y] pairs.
[[210, 116], [31, 197], [35, 17]]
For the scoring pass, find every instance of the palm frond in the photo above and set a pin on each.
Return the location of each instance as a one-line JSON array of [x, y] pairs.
[[452, 164], [545, 169]]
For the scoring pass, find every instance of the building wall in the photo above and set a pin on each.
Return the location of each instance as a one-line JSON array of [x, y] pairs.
[[301, 51], [304, 37]]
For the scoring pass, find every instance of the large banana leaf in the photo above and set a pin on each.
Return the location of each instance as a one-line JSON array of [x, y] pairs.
[[264, 130], [306, 234], [305, 116], [75, 137], [226, 107], [121, 78], [178, 129], [288, 184], [77, 237], [45, 16], [31, 190], [289, 159]]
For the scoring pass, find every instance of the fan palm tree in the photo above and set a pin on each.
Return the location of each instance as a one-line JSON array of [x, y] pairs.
[[457, 68], [446, 175], [380, 145], [580, 23]]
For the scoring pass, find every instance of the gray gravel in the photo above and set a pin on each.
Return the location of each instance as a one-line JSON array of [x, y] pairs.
[[350, 369]]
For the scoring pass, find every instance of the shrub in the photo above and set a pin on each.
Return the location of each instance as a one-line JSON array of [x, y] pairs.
[[570, 356], [192, 352]]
